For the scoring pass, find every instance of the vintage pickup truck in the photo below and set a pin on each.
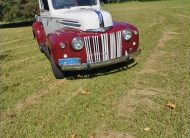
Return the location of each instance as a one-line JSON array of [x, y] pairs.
[[77, 35]]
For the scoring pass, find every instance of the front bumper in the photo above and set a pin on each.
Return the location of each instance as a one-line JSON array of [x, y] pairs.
[[88, 66]]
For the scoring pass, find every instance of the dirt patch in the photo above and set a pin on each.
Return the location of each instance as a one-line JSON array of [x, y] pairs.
[[16, 48], [112, 134], [157, 21], [182, 15], [173, 33], [141, 95], [142, 92], [188, 59], [135, 97], [32, 99], [1, 117], [149, 66], [15, 41]]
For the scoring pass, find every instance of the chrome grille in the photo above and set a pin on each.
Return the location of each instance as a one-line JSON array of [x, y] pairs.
[[103, 47]]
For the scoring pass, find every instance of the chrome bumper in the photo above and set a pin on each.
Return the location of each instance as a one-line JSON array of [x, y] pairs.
[[87, 66]]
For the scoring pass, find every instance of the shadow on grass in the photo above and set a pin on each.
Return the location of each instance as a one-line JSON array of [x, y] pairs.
[[70, 75], [5, 56], [100, 71], [15, 25]]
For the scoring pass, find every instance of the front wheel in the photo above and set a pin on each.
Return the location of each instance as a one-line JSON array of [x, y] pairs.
[[56, 70], [41, 50]]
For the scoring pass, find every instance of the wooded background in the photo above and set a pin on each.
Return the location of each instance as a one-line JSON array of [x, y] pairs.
[[22, 10], [17, 10]]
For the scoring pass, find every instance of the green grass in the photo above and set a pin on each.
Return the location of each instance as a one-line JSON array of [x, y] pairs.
[[34, 104]]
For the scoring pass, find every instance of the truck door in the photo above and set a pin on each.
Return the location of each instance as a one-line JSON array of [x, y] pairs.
[[45, 14]]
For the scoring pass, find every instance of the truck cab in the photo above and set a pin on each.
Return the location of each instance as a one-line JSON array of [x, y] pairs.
[[79, 35], [79, 14]]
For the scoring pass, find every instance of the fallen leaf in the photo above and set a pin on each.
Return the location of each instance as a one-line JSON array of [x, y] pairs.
[[46, 79], [74, 135], [102, 114], [171, 105], [175, 113], [12, 115], [92, 135], [105, 133], [147, 129], [111, 94], [40, 78], [84, 93]]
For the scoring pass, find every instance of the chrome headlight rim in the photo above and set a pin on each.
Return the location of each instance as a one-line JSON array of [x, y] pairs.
[[127, 34], [74, 43]]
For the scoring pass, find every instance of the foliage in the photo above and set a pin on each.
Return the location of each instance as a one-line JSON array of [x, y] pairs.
[[17, 10], [22, 10], [148, 0], [1, 10], [27, 9], [116, 1]]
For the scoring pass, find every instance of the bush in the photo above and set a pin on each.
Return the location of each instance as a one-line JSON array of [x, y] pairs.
[[148, 0], [27, 9], [17, 10], [22, 10], [1, 10], [116, 1]]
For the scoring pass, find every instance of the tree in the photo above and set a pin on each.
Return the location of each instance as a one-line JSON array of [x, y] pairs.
[[1, 10], [17, 10], [10, 9], [111, 1], [27, 7]]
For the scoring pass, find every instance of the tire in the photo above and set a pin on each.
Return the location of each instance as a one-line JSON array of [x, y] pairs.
[[57, 72], [40, 48]]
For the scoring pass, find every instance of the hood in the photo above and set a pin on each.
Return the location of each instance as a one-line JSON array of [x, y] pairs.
[[85, 19]]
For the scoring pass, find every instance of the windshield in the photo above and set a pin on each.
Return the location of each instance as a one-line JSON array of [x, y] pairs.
[[59, 4]]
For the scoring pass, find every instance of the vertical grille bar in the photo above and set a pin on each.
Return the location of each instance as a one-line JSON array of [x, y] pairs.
[[88, 49], [112, 46], [119, 47], [105, 50], [103, 47], [96, 48]]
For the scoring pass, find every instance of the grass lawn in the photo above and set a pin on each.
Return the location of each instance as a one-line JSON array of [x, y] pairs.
[[129, 103]]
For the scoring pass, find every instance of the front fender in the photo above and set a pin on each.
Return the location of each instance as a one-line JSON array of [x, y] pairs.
[[39, 33], [55, 39]]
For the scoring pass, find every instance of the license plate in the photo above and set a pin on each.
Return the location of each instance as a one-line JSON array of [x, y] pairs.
[[69, 61]]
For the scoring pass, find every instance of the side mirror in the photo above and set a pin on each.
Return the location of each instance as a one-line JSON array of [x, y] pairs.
[[33, 12], [101, 2]]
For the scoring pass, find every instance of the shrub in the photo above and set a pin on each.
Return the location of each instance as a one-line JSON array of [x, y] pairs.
[[17, 10]]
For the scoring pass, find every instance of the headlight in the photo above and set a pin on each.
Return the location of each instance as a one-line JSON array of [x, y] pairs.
[[77, 43], [127, 34]]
